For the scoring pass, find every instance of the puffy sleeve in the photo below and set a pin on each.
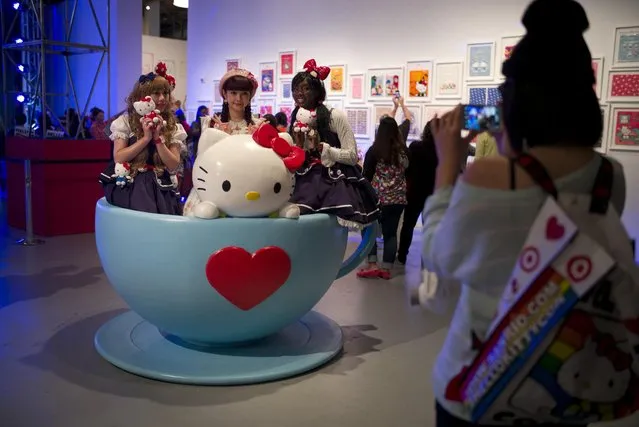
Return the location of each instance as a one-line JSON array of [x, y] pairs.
[[347, 154], [120, 128], [178, 138]]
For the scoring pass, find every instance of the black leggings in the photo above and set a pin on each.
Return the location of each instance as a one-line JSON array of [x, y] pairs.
[[446, 419], [412, 212]]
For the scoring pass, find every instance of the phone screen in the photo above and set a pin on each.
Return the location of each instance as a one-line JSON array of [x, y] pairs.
[[481, 117]]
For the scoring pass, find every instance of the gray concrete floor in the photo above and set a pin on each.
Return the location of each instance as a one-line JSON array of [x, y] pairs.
[[54, 297]]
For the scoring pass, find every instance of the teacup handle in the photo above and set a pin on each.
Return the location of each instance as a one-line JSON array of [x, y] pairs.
[[370, 234]]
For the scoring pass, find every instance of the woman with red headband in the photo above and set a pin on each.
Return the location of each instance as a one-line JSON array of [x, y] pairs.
[[329, 181], [146, 149]]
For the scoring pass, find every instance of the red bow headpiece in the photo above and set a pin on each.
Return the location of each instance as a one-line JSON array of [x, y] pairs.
[[160, 70], [268, 137], [318, 72]]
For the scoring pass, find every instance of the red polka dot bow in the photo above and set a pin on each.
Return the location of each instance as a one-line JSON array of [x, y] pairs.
[[320, 72], [268, 137]]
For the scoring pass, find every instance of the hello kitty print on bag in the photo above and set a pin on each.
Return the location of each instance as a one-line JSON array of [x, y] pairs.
[[563, 347]]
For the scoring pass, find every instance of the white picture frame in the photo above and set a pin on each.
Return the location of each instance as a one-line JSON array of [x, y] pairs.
[[217, 96], [286, 90], [419, 93], [267, 79], [615, 136], [287, 63], [266, 104], [416, 127], [232, 63], [287, 108], [623, 79], [333, 88], [430, 111], [625, 57], [391, 81], [480, 61], [598, 61], [378, 111], [506, 44], [449, 79], [356, 88], [490, 97], [337, 104], [603, 143], [359, 118]]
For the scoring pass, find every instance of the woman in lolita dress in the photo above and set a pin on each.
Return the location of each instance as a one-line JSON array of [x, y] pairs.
[[237, 88], [329, 182], [146, 149]]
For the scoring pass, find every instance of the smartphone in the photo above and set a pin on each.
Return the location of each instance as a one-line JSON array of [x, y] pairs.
[[481, 118], [397, 94]]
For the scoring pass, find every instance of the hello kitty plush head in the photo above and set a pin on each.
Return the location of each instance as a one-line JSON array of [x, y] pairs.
[[144, 106], [598, 372], [305, 118], [122, 169], [246, 175]]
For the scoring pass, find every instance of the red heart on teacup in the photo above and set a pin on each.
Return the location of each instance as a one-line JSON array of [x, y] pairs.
[[246, 279]]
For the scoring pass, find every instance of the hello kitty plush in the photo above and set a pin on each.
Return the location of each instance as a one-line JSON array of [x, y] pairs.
[[146, 108], [122, 174], [245, 175], [305, 121]]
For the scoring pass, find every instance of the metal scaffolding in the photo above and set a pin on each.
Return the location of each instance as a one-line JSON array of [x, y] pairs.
[[28, 46]]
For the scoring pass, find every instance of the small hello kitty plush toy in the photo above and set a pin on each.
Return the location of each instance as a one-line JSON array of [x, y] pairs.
[[305, 121], [122, 174], [146, 108]]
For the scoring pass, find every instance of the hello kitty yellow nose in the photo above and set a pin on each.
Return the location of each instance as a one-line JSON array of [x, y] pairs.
[[252, 195]]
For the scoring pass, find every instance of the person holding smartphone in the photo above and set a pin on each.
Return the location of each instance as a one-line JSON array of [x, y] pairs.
[[476, 224]]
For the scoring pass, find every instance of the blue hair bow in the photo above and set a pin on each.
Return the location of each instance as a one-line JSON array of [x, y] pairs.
[[144, 78]]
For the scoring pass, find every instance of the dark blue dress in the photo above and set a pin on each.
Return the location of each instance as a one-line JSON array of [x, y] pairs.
[[340, 190], [147, 193]]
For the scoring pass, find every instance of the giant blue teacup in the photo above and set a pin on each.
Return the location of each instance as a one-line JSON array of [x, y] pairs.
[[217, 282]]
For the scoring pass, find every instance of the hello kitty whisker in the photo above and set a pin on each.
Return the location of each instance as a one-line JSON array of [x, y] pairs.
[[201, 189], [204, 170], [200, 179]]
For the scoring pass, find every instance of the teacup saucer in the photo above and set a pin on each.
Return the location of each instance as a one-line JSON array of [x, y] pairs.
[[134, 345]]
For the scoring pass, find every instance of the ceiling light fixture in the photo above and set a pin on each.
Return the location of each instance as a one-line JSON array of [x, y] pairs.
[[181, 3]]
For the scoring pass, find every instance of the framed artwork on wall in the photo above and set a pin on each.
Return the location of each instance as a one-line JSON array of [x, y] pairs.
[[380, 110], [430, 111], [448, 79], [415, 131], [217, 97], [624, 127], [383, 83], [286, 90], [336, 81], [337, 104], [598, 68], [482, 94], [267, 79], [359, 118], [623, 86], [266, 106], [287, 109], [480, 58], [605, 115], [626, 50], [506, 47], [288, 64], [233, 63], [147, 63], [419, 81], [356, 88]]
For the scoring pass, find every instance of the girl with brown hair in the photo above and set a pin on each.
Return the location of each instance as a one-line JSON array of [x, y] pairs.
[[148, 152]]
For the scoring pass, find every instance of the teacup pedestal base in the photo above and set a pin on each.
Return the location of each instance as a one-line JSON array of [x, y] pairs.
[[136, 346]]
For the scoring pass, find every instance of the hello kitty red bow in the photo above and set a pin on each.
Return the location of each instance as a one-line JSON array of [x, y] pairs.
[[161, 70], [268, 137], [318, 72]]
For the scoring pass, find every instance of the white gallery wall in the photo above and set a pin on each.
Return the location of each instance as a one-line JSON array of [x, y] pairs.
[[366, 34], [170, 51]]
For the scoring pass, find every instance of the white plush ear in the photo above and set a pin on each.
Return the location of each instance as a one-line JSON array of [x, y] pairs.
[[208, 138], [287, 137]]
